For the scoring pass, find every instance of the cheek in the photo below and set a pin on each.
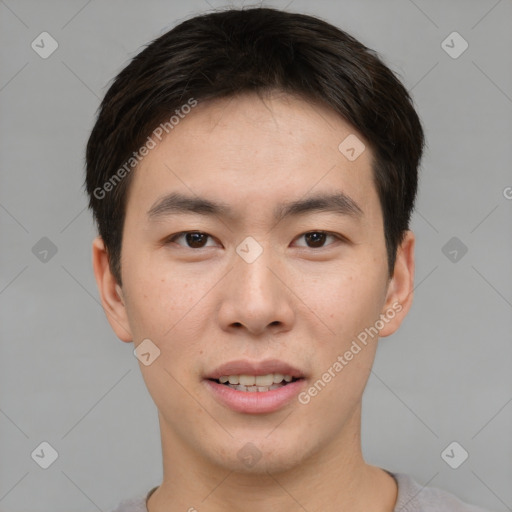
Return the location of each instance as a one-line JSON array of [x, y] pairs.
[[347, 298], [166, 306], [362, 306], [151, 300], [345, 357]]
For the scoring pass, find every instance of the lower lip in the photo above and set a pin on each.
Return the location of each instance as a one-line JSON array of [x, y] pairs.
[[256, 402]]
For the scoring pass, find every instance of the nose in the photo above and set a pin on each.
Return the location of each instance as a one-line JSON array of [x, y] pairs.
[[257, 297]]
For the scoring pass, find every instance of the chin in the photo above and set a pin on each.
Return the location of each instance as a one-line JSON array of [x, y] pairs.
[[260, 456]]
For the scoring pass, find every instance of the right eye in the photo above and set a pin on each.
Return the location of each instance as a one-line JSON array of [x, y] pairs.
[[193, 239]]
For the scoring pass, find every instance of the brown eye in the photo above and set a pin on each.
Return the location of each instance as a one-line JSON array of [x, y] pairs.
[[193, 239], [317, 239], [196, 240]]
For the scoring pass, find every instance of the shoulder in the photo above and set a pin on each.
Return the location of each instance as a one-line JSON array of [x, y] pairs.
[[413, 497]]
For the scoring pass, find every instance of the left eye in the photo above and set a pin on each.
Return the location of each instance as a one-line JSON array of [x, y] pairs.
[[317, 238]]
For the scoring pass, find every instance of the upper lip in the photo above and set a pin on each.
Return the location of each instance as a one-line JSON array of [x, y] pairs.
[[246, 367]]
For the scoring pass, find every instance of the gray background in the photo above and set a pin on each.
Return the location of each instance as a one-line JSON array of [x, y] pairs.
[[66, 379]]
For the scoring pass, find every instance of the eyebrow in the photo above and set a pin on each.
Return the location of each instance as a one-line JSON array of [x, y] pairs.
[[177, 203]]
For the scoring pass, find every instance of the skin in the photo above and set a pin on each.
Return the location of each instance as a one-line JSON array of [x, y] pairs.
[[298, 302]]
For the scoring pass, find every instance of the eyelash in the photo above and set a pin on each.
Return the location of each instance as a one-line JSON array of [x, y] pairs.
[[176, 236]]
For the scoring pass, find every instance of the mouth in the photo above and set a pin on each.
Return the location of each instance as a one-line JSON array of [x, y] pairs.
[[256, 383], [255, 387]]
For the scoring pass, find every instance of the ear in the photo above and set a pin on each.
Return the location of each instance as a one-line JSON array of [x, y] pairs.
[[111, 293], [400, 288]]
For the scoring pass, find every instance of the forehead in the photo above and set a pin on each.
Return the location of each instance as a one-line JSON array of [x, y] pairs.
[[249, 151]]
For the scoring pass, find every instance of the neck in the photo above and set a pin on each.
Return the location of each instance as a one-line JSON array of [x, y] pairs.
[[335, 478]]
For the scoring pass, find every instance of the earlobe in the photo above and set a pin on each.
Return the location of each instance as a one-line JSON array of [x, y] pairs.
[[401, 285], [110, 292]]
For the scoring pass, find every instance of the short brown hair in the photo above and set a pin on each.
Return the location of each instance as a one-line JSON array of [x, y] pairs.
[[224, 53]]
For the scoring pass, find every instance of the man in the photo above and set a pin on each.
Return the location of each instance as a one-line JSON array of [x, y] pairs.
[[252, 173]]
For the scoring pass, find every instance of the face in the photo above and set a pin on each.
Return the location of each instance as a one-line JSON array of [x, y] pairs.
[[253, 247]]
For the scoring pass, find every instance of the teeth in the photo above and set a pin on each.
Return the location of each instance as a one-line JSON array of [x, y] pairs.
[[265, 380], [252, 389], [258, 380], [247, 380], [252, 383]]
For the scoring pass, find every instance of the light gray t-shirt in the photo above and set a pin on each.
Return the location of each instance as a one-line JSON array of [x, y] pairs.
[[412, 497]]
